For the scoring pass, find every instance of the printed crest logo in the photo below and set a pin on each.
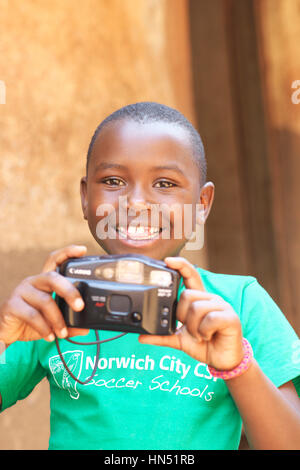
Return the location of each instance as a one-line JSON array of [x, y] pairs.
[[62, 378]]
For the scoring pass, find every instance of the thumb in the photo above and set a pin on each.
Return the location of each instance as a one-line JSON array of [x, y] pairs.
[[170, 341], [56, 258]]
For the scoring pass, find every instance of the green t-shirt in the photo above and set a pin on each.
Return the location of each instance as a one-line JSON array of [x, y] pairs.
[[151, 397]]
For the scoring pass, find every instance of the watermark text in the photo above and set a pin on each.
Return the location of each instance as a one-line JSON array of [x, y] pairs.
[[2, 92], [158, 221], [295, 97]]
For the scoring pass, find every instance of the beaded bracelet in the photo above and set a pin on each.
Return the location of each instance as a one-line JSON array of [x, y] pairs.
[[238, 370]]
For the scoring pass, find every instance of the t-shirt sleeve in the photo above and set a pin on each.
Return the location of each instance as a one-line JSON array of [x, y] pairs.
[[275, 344], [20, 372]]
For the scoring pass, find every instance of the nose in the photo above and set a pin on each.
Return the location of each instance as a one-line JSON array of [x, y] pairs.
[[136, 200]]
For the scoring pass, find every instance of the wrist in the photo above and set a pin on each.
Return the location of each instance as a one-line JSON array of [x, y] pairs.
[[240, 369]]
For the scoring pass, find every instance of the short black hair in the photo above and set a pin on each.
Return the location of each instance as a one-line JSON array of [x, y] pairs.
[[147, 112]]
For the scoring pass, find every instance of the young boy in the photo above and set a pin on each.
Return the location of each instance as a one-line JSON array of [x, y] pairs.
[[189, 390]]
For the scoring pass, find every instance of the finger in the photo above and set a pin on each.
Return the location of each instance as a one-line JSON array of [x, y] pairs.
[[32, 317], [77, 332], [53, 281], [56, 258], [171, 341], [218, 321], [191, 277], [45, 304], [196, 314], [187, 297]]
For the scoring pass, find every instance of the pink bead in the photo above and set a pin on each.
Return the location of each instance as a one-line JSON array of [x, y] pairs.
[[238, 370]]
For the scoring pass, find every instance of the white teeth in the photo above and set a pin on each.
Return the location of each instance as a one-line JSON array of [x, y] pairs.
[[139, 232]]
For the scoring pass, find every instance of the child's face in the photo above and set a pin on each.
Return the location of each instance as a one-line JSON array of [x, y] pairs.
[[148, 166]]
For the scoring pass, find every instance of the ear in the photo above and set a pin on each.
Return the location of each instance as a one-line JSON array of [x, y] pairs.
[[83, 195], [205, 203]]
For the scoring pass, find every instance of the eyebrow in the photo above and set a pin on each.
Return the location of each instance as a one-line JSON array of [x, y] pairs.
[[168, 167], [106, 165]]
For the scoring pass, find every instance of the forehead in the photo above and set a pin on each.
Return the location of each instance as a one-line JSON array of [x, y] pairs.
[[128, 140]]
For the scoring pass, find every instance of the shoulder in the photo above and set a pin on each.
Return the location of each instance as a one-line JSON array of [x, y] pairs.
[[229, 286], [240, 291], [246, 295], [23, 352], [221, 280]]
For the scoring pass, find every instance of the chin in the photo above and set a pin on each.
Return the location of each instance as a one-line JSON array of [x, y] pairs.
[[156, 252]]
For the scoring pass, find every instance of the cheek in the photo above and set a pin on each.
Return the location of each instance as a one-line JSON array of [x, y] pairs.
[[100, 205], [184, 215], [178, 223], [102, 219]]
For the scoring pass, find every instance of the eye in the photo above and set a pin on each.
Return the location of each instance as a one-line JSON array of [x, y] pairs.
[[113, 182], [165, 184]]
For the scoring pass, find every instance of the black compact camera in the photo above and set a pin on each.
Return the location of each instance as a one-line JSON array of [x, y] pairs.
[[128, 293]]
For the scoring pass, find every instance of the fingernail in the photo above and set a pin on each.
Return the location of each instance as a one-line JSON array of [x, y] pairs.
[[63, 333], [78, 304], [50, 337]]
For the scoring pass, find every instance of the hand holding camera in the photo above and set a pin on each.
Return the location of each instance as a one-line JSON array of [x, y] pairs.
[[123, 293], [30, 313], [211, 330], [119, 292]]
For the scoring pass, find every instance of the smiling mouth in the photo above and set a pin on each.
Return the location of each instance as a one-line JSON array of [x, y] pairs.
[[138, 233]]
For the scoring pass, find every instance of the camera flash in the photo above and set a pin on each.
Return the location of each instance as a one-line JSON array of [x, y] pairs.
[[108, 273], [161, 278], [130, 271]]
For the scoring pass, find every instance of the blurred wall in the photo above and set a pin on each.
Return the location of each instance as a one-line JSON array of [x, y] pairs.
[[278, 31], [66, 65], [245, 57]]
